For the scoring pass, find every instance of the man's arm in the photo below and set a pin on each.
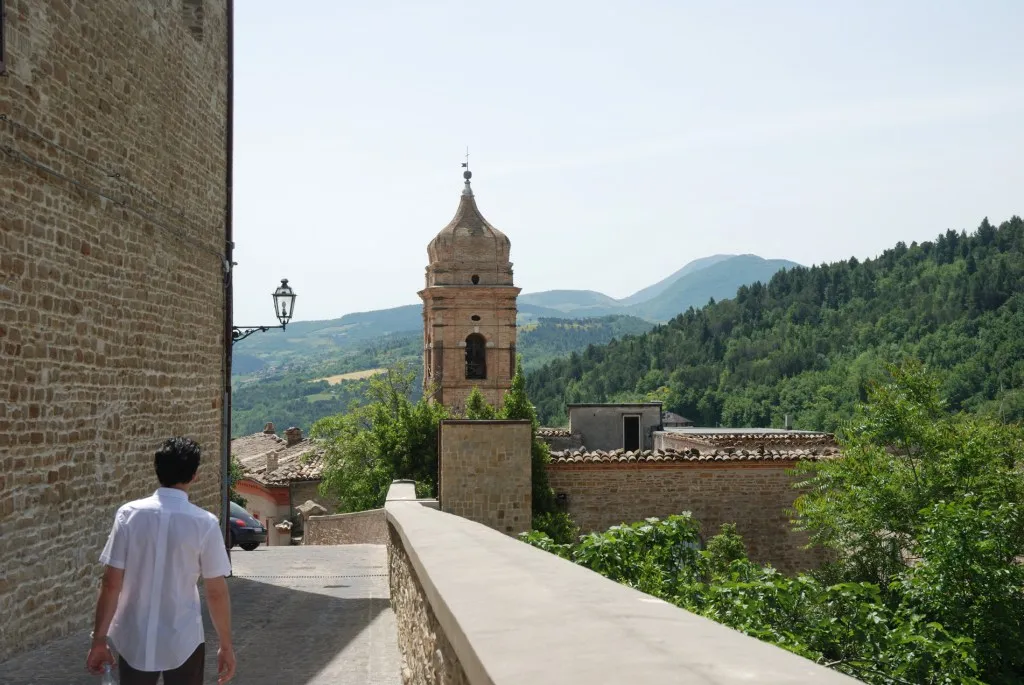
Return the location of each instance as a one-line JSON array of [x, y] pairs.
[[110, 590], [219, 602], [106, 605]]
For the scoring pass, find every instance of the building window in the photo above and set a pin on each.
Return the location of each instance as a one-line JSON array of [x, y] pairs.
[[475, 279], [476, 357], [631, 433]]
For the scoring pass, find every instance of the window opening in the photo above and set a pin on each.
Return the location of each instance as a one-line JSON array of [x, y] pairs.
[[475, 279], [631, 433], [476, 357], [475, 317]]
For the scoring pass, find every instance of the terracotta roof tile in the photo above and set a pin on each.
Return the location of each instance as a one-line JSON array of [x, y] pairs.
[[692, 455], [252, 452]]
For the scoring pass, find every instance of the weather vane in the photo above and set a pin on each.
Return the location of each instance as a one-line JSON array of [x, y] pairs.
[[465, 165]]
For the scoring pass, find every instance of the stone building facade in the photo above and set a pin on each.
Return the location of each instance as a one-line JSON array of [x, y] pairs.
[[469, 309], [484, 472], [113, 187], [752, 487]]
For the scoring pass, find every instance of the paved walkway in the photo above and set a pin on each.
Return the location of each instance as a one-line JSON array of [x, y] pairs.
[[301, 616]]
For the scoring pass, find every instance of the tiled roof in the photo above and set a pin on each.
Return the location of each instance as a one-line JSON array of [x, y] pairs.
[[252, 452], [553, 433], [753, 439], [692, 455]]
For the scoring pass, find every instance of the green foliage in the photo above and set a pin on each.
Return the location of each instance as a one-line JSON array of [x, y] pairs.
[[477, 407], [391, 437], [235, 474], [516, 405], [923, 518], [810, 341], [556, 525], [926, 504], [845, 626]]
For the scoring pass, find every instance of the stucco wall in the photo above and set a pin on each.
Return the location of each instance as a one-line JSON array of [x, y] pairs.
[[754, 496], [484, 472], [112, 201], [601, 425], [357, 528]]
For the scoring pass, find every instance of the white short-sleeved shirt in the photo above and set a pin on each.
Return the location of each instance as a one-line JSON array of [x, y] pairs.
[[163, 543]]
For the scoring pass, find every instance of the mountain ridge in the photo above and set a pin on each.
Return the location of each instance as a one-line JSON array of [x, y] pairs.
[[717, 276]]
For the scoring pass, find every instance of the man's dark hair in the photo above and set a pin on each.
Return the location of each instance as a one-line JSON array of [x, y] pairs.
[[177, 461]]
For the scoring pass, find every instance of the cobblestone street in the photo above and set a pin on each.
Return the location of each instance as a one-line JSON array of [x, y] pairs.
[[301, 616]]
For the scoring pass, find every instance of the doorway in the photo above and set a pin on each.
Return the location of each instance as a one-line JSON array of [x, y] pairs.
[[631, 433]]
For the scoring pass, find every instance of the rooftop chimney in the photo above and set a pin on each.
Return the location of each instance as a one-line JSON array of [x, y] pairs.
[[271, 462], [269, 428], [293, 435]]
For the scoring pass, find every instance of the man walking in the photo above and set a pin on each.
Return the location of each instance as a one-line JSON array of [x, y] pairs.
[[149, 603]]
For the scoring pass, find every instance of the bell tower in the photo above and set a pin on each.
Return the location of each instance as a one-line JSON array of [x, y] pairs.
[[469, 309]]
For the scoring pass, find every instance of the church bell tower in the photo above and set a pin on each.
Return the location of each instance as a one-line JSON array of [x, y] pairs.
[[469, 309]]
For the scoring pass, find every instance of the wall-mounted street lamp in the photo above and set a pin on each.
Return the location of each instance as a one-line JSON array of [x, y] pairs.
[[284, 308]]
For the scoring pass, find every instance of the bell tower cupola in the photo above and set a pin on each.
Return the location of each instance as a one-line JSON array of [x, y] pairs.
[[469, 308]]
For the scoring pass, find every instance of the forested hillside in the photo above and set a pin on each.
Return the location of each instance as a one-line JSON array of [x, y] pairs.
[[299, 395], [809, 341]]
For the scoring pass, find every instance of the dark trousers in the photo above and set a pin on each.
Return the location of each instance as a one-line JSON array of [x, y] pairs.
[[189, 673]]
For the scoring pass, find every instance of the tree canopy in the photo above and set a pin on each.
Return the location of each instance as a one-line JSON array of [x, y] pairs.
[[809, 342]]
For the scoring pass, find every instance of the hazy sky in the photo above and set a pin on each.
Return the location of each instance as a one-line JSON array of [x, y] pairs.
[[611, 141]]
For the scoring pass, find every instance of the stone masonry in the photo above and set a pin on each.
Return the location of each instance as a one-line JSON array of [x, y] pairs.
[[356, 528], [484, 472], [469, 295], [427, 656], [756, 496], [112, 201]]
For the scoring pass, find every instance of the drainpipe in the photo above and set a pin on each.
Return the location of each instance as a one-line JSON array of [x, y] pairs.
[[225, 432]]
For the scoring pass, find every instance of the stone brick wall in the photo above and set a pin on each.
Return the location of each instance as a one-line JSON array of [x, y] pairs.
[[358, 528], [310, 490], [754, 496], [427, 655], [484, 472], [112, 198]]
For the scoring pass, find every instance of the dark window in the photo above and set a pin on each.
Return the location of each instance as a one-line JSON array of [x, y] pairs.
[[475, 279], [631, 433], [476, 357], [3, 45], [475, 317]]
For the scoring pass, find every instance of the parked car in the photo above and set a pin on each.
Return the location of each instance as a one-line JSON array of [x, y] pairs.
[[245, 531]]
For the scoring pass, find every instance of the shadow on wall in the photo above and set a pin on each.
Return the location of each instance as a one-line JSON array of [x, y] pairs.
[[281, 634]]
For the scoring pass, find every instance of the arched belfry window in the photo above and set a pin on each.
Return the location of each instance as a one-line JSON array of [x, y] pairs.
[[476, 357]]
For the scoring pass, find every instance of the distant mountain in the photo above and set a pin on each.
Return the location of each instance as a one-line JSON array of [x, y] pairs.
[[315, 341], [652, 291], [570, 300], [720, 281]]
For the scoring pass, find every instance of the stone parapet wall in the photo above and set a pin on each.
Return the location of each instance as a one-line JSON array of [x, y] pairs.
[[427, 655], [113, 119], [359, 528], [475, 607], [756, 496]]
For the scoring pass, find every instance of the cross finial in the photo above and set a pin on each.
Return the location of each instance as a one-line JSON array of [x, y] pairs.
[[467, 174]]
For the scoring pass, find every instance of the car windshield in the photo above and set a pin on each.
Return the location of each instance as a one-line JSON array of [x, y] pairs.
[[238, 512]]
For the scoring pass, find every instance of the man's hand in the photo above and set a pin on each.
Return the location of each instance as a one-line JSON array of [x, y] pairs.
[[99, 656], [225, 663]]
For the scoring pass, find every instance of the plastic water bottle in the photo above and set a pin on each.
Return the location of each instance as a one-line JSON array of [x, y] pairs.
[[108, 677]]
